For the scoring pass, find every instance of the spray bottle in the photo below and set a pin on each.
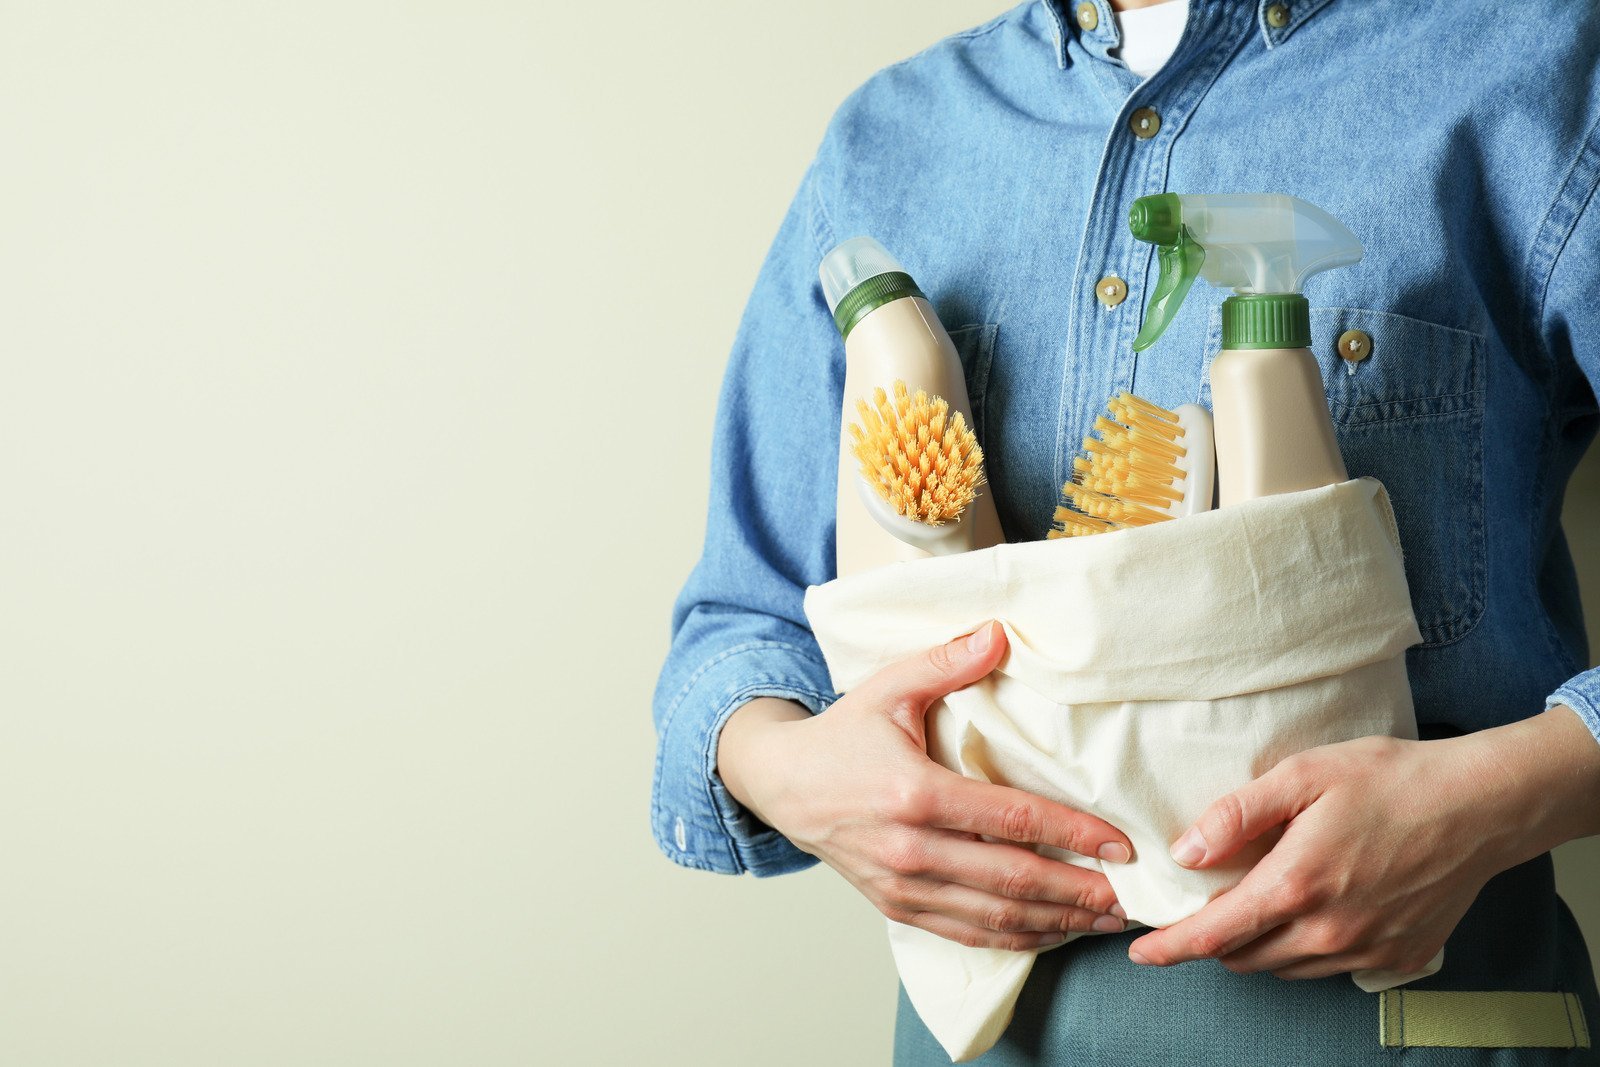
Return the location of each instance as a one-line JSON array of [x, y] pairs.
[[1273, 431], [892, 333]]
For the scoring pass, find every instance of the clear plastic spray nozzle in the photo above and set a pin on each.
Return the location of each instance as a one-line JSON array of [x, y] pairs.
[[1252, 243]]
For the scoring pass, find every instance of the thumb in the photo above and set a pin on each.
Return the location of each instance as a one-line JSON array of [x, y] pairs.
[[915, 683], [1243, 815]]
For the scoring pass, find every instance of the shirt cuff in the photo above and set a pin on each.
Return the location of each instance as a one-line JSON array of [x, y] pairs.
[[697, 822], [1582, 694]]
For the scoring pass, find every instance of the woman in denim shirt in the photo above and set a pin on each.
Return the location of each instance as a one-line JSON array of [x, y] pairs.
[[1461, 143]]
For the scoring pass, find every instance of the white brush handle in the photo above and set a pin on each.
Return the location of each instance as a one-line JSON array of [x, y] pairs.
[[944, 540], [1199, 463]]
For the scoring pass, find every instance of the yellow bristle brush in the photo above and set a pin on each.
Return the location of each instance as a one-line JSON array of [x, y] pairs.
[[920, 468], [1148, 465]]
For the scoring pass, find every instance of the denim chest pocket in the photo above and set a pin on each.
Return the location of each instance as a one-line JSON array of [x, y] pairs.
[[975, 345], [1410, 413]]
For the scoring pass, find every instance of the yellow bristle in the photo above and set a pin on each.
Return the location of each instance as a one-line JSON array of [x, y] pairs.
[[917, 455], [1128, 475], [1148, 408]]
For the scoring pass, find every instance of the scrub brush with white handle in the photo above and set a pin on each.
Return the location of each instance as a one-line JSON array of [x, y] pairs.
[[1148, 465], [920, 468]]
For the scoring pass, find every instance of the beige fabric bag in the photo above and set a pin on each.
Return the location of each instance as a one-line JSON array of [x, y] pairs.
[[1149, 672]]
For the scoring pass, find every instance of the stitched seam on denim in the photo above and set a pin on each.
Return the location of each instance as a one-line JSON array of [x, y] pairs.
[[726, 706], [1579, 702], [1351, 413], [1538, 490], [1333, 311], [1072, 345], [1061, 33], [823, 231], [1548, 246], [1478, 600], [672, 714], [1591, 149], [1431, 333], [1189, 102], [978, 382]]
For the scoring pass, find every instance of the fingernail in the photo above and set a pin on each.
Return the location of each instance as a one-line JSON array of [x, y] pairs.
[[1053, 939], [1116, 909], [1136, 958], [1108, 924], [1189, 849], [979, 641], [1114, 852]]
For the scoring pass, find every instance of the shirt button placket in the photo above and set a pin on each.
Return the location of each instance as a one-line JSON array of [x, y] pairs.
[[1134, 164]]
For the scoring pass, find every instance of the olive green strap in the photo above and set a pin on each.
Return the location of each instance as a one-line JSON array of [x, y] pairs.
[[1438, 1019]]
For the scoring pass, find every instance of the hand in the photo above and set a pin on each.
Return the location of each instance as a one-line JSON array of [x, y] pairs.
[[854, 786], [1387, 843]]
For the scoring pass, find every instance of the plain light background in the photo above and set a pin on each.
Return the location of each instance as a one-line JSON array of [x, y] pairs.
[[359, 367]]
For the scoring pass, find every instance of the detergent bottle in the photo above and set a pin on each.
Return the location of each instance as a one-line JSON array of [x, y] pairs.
[[891, 333], [1273, 430]]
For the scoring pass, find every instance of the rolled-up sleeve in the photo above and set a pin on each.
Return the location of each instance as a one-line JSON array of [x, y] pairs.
[[738, 627], [1572, 334]]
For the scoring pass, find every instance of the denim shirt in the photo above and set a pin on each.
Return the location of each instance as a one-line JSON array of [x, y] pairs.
[[1458, 141]]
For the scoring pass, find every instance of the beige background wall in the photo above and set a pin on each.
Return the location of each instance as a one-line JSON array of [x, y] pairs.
[[340, 519]]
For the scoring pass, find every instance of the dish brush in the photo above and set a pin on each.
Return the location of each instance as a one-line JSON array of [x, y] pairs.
[[1148, 465], [920, 468]]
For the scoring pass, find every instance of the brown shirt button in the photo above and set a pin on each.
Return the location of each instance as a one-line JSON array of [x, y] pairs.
[[1355, 345], [1144, 123], [1111, 290], [1088, 17], [1278, 16]]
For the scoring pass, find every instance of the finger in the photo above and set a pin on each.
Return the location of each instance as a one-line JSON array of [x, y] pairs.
[[1007, 915], [1017, 815], [1243, 815], [1314, 967], [979, 937], [1287, 946], [918, 681], [1222, 927], [1012, 871]]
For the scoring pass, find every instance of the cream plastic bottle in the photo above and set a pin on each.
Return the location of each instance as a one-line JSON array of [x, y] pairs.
[[891, 332], [1273, 430]]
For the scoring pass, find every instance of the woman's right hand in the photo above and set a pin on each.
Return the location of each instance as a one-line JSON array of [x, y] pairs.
[[855, 788]]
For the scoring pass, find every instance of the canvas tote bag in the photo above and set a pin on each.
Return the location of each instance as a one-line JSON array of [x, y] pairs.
[[1148, 672]]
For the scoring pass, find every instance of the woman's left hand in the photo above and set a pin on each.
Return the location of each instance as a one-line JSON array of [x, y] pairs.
[[1386, 844]]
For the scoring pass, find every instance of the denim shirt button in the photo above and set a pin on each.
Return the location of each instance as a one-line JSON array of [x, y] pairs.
[[1144, 123], [1278, 16], [1088, 17], [1111, 290], [1355, 345]]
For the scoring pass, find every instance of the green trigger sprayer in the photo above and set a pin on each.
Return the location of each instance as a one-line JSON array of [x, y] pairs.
[[1273, 431]]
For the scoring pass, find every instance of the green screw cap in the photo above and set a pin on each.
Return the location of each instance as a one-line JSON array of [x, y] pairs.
[[870, 295], [1266, 320]]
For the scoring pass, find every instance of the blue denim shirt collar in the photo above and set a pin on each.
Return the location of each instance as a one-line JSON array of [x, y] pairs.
[[1106, 36]]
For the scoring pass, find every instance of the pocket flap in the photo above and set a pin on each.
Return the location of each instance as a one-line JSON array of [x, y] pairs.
[[1267, 593]]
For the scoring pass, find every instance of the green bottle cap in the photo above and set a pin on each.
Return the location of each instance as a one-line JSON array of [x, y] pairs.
[[870, 295], [1266, 320]]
